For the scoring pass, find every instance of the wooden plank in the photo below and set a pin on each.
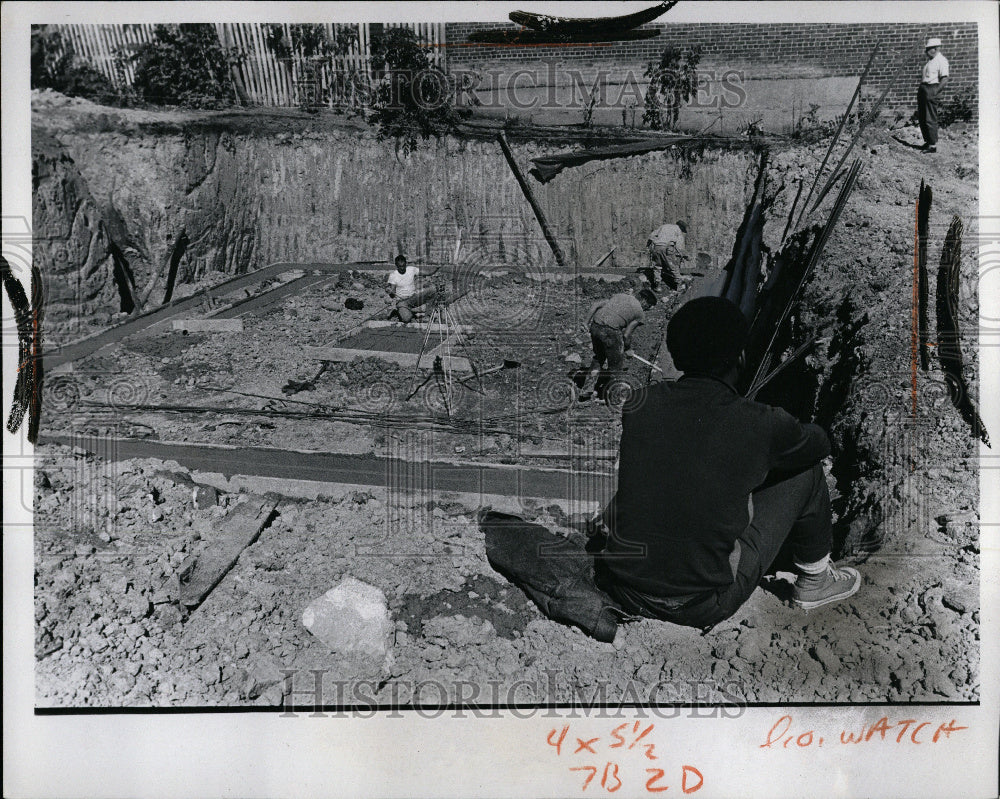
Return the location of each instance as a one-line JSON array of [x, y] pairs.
[[80, 42], [289, 72], [87, 40], [605, 257], [202, 572], [267, 65], [254, 52], [235, 75], [253, 64], [530, 197], [94, 47], [246, 68], [376, 324], [243, 69], [209, 325], [344, 354], [106, 34], [275, 69], [115, 41]]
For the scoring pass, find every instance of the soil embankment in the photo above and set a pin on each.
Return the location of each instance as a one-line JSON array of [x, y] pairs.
[[111, 533]]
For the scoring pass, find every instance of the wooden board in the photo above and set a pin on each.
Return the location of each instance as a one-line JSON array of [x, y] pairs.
[[344, 354], [202, 572], [209, 325]]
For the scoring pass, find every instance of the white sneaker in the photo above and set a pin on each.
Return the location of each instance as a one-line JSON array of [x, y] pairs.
[[813, 590]]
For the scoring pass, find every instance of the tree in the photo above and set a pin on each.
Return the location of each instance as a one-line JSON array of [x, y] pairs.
[[412, 97], [307, 40], [183, 65], [54, 65], [673, 82], [313, 51]]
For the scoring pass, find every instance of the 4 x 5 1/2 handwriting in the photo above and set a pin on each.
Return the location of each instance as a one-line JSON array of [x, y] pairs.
[[626, 742]]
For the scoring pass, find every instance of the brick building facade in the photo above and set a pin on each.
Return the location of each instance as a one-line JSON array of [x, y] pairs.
[[805, 49]]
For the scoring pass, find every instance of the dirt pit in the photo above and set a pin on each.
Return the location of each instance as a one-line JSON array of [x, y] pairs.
[[111, 535], [109, 631]]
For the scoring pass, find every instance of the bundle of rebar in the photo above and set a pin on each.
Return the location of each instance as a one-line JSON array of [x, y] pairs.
[[28, 319], [949, 343], [743, 269], [788, 271], [923, 221]]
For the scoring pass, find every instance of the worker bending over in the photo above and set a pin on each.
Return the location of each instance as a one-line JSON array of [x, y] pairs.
[[710, 486], [611, 323], [666, 251], [402, 286]]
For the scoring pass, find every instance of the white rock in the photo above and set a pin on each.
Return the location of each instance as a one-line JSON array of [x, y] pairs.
[[352, 618]]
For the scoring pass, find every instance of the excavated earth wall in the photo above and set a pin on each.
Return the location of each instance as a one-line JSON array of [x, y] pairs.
[[246, 195], [905, 482]]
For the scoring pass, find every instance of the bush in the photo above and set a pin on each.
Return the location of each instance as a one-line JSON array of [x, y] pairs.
[[413, 97], [307, 41], [183, 65], [673, 82], [312, 51], [957, 108], [54, 65]]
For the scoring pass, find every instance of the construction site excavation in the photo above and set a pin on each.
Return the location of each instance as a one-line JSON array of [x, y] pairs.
[[256, 459]]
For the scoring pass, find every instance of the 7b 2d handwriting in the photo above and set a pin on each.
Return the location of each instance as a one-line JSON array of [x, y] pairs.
[[626, 743]]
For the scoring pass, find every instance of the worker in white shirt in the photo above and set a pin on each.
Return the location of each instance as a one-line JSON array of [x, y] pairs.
[[935, 74], [402, 287], [666, 251]]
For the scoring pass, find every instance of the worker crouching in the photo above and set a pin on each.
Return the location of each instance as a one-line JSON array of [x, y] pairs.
[[711, 485], [611, 323]]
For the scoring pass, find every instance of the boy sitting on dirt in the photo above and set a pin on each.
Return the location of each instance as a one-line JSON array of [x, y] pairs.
[[611, 323], [402, 287], [710, 486]]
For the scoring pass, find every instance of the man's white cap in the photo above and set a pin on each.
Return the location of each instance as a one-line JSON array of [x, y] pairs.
[[932, 43]]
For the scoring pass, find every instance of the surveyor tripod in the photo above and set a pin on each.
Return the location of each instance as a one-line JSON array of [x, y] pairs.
[[442, 321]]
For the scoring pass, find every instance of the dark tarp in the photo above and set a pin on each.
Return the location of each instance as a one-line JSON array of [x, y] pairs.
[[526, 36], [548, 166], [556, 573]]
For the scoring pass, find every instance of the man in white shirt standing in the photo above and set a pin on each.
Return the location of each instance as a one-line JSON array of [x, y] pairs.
[[666, 251], [935, 74], [402, 287]]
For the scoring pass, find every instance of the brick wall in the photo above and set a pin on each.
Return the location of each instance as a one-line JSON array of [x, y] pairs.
[[826, 50]]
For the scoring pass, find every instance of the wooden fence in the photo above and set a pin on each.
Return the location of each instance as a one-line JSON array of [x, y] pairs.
[[262, 78]]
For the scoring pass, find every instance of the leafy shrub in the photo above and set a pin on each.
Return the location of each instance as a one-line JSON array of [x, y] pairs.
[[312, 51], [54, 65], [807, 121], [412, 96], [960, 107], [307, 40], [183, 65], [673, 82]]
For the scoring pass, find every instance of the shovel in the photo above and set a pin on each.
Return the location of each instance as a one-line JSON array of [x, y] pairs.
[[643, 360], [507, 364], [295, 386]]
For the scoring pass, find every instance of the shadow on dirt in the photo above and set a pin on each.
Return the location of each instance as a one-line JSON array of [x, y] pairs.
[[480, 597]]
